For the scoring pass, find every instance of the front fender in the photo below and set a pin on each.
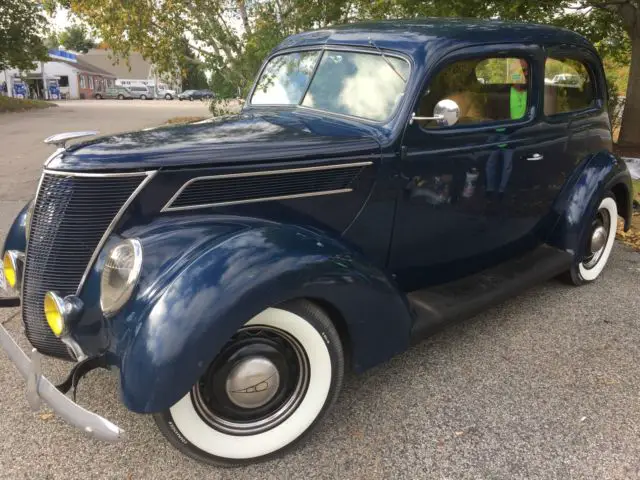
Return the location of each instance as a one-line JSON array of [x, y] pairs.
[[579, 199], [16, 239], [188, 316]]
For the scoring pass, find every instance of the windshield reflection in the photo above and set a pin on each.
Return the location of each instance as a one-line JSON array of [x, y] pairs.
[[358, 84], [285, 78]]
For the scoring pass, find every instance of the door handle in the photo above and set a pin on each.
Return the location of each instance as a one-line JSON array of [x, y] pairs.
[[535, 157]]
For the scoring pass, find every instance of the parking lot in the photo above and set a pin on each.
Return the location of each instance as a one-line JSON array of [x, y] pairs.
[[544, 386]]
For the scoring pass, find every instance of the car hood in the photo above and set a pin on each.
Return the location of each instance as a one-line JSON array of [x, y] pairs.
[[246, 137]]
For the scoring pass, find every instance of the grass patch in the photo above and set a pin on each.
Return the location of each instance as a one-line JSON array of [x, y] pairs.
[[179, 120], [9, 104]]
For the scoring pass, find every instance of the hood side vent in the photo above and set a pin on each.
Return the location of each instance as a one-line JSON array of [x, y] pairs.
[[263, 186]]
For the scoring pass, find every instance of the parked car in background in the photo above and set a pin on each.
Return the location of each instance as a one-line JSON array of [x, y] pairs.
[[121, 93], [196, 95], [166, 93], [367, 195], [567, 79], [141, 92]]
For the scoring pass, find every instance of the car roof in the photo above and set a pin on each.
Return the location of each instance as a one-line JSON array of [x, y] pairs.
[[412, 36]]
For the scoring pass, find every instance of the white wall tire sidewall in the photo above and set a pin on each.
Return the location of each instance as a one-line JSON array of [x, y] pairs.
[[219, 444], [590, 274]]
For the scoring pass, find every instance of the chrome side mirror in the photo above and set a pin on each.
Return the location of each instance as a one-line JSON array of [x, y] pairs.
[[446, 113]]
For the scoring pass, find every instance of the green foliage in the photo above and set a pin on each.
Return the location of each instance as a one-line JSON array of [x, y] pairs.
[[22, 25], [52, 41], [76, 38]]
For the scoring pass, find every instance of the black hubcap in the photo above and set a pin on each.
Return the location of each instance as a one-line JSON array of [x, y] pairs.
[[255, 383]]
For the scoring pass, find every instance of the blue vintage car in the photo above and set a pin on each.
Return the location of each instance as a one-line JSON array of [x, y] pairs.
[[383, 180]]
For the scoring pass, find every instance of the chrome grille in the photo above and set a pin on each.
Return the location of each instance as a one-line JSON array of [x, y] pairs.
[[69, 218]]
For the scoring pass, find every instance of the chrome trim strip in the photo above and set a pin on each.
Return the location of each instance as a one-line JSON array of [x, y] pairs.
[[168, 208], [26, 250], [112, 225], [52, 156], [255, 200], [98, 175]]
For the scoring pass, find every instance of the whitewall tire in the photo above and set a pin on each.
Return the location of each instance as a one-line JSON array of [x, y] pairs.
[[266, 389], [598, 244]]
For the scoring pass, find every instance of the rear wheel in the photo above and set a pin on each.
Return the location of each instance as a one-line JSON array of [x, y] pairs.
[[191, 99], [265, 391], [143, 97], [168, 97], [598, 245], [98, 96], [120, 97]]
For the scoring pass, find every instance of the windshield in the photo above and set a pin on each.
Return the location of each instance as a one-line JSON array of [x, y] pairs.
[[351, 83]]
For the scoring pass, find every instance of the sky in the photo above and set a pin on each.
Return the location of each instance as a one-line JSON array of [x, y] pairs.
[[61, 20]]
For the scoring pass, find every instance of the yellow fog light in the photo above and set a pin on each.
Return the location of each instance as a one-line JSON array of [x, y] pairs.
[[54, 313], [10, 268]]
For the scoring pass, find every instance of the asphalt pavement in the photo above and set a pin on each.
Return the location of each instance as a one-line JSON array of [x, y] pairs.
[[544, 386]]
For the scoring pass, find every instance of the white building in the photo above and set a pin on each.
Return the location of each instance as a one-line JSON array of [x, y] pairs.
[[76, 78], [133, 71]]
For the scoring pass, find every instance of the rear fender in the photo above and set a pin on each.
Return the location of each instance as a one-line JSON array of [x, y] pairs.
[[577, 203], [180, 321]]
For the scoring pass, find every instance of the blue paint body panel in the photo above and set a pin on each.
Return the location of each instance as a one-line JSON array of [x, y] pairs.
[[357, 253]]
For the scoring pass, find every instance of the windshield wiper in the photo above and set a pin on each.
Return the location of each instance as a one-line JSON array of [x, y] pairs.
[[371, 42]]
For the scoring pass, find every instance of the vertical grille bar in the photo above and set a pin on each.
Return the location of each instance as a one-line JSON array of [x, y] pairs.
[[69, 218]]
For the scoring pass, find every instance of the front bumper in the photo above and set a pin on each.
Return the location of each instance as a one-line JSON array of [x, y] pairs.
[[40, 388]]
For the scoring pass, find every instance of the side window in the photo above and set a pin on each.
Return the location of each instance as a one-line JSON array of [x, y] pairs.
[[487, 90], [568, 86]]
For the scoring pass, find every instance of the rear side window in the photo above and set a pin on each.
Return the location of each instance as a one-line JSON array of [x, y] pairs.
[[486, 90], [568, 86]]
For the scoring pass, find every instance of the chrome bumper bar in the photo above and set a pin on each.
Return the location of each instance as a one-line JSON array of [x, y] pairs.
[[40, 388]]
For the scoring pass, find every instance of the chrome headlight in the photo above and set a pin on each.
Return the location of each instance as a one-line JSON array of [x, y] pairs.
[[120, 275]]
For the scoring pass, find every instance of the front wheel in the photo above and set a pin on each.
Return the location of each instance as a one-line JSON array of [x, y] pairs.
[[264, 392], [598, 244], [143, 97], [120, 97], [168, 97]]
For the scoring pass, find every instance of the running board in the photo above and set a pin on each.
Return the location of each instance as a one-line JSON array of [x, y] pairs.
[[439, 305]]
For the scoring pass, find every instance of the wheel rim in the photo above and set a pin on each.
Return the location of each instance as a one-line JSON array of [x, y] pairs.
[[256, 382], [598, 240]]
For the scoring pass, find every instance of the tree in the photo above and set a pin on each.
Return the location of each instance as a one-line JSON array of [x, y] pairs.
[[77, 39], [193, 77], [52, 41], [22, 26]]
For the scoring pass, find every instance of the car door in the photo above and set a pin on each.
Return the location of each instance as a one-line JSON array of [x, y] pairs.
[[467, 188], [574, 123]]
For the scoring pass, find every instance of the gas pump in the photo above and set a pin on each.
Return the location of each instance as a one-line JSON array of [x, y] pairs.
[[19, 89], [54, 89]]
